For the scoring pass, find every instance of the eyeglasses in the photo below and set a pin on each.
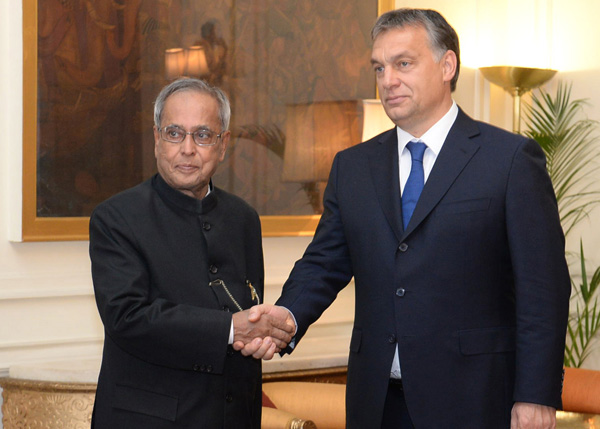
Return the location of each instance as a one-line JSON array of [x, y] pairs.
[[202, 136]]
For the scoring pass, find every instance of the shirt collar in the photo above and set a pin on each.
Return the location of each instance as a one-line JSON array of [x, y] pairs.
[[435, 136]]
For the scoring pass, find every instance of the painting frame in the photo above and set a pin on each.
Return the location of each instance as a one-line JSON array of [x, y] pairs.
[[36, 228]]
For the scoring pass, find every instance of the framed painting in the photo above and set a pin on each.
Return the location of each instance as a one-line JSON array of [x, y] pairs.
[[92, 70]]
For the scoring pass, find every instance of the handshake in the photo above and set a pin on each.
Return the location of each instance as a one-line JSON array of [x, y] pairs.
[[263, 330]]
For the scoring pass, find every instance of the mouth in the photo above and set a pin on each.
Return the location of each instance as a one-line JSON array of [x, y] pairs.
[[394, 100], [187, 168]]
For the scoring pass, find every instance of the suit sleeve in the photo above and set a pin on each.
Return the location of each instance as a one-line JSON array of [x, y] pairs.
[[542, 283], [136, 318], [325, 267]]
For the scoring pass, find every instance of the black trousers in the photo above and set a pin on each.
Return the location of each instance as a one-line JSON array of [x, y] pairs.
[[395, 412]]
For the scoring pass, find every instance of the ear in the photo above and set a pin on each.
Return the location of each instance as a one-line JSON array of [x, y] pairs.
[[224, 144], [449, 65]]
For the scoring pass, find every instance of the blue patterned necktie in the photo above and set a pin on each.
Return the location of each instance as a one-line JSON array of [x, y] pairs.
[[415, 182]]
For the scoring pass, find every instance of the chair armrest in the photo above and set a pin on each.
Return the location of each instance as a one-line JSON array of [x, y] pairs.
[[273, 418], [323, 403], [581, 391]]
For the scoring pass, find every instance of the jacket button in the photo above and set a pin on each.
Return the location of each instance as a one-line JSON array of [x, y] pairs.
[[209, 368], [196, 367], [403, 247], [229, 397], [225, 308], [213, 269], [392, 339], [400, 291], [206, 226]]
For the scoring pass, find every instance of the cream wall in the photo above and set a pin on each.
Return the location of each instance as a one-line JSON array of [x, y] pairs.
[[46, 302], [45, 291]]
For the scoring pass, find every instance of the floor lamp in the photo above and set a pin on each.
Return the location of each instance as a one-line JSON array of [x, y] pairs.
[[517, 81]]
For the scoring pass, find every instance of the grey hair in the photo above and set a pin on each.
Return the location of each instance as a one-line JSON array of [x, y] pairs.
[[190, 84], [442, 37]]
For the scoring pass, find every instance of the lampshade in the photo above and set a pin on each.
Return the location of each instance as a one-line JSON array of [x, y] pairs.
[[196, 61], [315, 132], [517, 81], [174, 63], [375, 120]]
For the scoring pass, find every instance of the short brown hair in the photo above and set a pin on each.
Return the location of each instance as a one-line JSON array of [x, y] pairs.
[[442, 37]]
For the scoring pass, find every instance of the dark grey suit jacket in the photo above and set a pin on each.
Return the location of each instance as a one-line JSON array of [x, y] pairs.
[[474, 292], [166, 362]]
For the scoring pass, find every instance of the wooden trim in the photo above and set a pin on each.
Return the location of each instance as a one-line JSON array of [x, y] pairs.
[[278, 226], [385, 6], [335, 375]]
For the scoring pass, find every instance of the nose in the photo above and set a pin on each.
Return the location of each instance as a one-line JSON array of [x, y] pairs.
[[388, 79], [188, 146]]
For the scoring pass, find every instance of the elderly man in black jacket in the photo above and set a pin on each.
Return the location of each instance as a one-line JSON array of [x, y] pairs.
[[175, 261]]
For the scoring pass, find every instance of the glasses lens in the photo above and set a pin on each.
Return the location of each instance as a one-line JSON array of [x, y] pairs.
[[204, 137], [173, 134]]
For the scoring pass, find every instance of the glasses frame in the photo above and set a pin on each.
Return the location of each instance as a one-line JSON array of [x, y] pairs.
[[190, 133]]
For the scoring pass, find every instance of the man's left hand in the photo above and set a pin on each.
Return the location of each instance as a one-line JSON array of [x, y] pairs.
[[525, 415], [264, 347], [261, 322]]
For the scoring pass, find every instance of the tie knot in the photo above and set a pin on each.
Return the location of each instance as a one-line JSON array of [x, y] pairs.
[[417, 149]]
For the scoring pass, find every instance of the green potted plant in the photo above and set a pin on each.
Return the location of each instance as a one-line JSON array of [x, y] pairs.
[[571, 145]]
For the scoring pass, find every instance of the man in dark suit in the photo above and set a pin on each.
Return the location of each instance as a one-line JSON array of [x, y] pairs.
[[461, 307], [175, 260]]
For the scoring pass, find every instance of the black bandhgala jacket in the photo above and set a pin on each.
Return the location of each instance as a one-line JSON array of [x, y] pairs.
[[168, 272]]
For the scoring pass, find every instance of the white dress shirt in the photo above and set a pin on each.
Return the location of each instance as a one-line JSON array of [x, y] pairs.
[[434, 139]]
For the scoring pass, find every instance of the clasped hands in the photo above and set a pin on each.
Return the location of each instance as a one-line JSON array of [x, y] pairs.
[[263, 330]]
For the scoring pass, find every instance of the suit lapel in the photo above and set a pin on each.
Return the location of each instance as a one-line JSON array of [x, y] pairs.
[[457, 151], [383, 164]]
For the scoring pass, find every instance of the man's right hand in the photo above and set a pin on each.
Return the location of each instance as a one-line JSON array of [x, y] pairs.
[[263, 330]]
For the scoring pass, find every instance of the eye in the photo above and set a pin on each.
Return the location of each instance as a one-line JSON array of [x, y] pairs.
[[174, 132], [203, 134], [378, 69], [403, 64]]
